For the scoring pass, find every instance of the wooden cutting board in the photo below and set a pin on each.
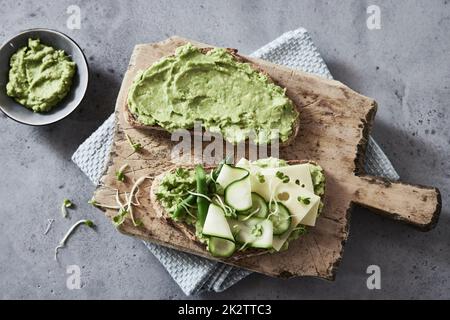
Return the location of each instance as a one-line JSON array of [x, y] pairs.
[[335, 125]]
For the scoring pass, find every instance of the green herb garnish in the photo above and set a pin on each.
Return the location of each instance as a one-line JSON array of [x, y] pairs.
[[120, 174], [100, 205], [66, 204], [261, 178], [119, 218], [304, 200], [280, 175], [89, 223], [136, 146]]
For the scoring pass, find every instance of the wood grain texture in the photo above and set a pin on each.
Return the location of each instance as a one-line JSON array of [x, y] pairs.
[[335, 123]]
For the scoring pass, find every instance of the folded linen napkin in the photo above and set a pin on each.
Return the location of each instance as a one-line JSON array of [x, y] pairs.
[[193, 274]]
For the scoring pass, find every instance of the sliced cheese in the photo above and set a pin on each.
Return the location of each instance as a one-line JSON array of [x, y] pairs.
[[261, 188], [299, 180], [298, 209], [299, 174], [311, 216]]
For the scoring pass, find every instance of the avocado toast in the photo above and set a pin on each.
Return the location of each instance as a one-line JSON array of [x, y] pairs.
[[249, 209], [336, 122], [218, 88]]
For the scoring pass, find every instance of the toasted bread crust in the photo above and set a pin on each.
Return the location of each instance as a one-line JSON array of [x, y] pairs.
[[188, 230], [132, 121]]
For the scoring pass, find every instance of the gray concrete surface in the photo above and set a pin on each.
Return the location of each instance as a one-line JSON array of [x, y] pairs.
[[405, 66]]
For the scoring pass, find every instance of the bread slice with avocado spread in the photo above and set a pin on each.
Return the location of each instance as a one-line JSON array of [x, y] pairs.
[[242, 210], [217, 88]]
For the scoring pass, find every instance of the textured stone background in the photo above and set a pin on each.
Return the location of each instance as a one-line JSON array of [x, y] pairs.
[[405, 66]]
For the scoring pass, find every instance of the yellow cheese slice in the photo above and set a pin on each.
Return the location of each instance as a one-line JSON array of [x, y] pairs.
[[311, 216], [300, 185], [298, 209], [299, 174]]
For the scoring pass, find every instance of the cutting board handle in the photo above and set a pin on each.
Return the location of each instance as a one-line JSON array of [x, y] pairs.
[[417, 205]]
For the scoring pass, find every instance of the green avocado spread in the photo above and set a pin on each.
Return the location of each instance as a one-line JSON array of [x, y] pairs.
[[226, 96], [40, 76], [174, 188]]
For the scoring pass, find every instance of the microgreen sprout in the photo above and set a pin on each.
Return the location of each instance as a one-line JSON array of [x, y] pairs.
[[244, 246], [129, 204], [118, 199], [120, 174], [119, 218], [63, 241], [66, 204], [186, 208], [137, 202], [251, 214], [136, 146], [101, 205], [200, 195], [229, 211], [124, 209], [49, 225], [273, 204]]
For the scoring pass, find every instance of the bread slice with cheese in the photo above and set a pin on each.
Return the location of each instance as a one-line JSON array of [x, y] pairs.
[[189, 231]]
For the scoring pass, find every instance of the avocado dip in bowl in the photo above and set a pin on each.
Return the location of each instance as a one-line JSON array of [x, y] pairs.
[[43, 76]]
